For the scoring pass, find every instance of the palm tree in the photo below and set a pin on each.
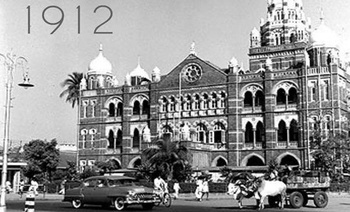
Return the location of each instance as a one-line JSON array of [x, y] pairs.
[[72, 88], [164, 156]]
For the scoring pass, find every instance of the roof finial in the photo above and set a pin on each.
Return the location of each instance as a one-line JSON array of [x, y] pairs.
[[192, 49], [322, 15], [138, 60], [101, 49]]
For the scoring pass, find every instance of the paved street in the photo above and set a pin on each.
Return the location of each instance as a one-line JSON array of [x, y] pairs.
[[219, 203]]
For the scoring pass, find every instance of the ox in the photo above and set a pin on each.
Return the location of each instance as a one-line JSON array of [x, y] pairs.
[[266, 188], [235, 190]]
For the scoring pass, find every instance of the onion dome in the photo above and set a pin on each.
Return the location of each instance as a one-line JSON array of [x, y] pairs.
[[139, 72], [233, 62], [100, 65], [255, 33], [323, 36]]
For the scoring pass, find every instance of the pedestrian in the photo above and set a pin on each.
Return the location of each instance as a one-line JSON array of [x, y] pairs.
[[176, 188], [8, 187], [199, 189], [34, 187], [62, 187], [21, 187], [205, 188]]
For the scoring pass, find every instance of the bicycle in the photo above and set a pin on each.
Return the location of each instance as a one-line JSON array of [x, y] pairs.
[[165, 198]]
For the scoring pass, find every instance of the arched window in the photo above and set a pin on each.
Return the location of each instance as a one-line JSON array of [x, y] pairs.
[[136, 139], [120, 109], [172, 104], [111, 139], [292, 38], [221, 162], [119, 138], [248, 99], [293, 131], [259, 98], [214, 101], [111, 110], [282, 131], [136, 108], [255, 161], [205, 102], [281, 97], [292, 96], [164, 105], [249, 134], [145, 107], [196, 102], [259, 134], [167, 133], [222, 100], [188, 103], [202, 133], [137, 163], [289, 160], [219, 133]]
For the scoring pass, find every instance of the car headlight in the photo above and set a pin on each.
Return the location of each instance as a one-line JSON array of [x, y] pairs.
[[131, 193]]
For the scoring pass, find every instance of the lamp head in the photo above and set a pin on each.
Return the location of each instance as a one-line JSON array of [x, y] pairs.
[[26, 84]]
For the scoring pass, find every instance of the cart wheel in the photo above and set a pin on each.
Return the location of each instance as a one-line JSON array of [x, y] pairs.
[[306, 198], [296, 199], [320, 199], [167, 200]]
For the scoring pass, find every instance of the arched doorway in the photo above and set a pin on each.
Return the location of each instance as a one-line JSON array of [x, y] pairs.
[[255, 161]]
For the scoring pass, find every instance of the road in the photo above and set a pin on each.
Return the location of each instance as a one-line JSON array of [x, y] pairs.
[[337, 203]]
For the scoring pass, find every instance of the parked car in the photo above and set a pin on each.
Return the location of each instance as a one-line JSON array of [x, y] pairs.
[[119, 191]]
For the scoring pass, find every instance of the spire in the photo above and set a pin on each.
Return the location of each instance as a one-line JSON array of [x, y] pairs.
[[192, 49], [322, 16]]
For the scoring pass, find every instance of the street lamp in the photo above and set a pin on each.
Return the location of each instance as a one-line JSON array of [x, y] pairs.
[[11, 62]]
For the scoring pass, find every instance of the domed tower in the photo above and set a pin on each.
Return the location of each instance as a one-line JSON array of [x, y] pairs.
[[323, 46], [282, 37], [285, 23], [99, 73], [139, 76]]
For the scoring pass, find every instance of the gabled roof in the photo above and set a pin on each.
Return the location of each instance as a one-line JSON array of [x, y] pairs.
[[211, 74]]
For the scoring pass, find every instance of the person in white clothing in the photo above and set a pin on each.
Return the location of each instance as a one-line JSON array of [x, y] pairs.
[[176, 188], [34, 187], [199, 189], [205, 189], [160, 185]]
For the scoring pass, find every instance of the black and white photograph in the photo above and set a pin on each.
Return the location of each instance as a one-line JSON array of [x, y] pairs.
[[174, 105]]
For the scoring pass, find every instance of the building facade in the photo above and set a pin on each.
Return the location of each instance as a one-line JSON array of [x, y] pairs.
[[225, 116]]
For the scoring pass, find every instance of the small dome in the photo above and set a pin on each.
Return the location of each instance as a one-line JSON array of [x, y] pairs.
[[156, 70], [255, 33], [323, 36], [233, 62], [100, 65], [139, 72]]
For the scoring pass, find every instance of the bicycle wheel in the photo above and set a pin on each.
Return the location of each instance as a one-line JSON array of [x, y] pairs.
[[167, 200]]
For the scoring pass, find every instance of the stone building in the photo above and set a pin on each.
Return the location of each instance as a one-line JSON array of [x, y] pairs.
[[225, 116]]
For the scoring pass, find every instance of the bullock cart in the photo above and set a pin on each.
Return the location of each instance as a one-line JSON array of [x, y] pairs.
[[305, 186]]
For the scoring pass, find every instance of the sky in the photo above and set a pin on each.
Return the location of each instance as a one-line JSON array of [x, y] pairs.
[[160, 32]]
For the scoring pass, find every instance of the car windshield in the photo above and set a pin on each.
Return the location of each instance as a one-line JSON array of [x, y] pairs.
[[121, 182]]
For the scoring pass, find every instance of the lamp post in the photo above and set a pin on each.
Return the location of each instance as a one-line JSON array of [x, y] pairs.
[[11, 62]]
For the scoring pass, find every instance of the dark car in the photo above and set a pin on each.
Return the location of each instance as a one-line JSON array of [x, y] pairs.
[[119, 191]]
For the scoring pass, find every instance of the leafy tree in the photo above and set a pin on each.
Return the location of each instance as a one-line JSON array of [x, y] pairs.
[[165, 157], [72, 88], [107, 166], [42, 158], [72, 172], [88, 173]]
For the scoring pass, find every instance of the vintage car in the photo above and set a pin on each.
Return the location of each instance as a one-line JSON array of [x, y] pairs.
[[119, 191]]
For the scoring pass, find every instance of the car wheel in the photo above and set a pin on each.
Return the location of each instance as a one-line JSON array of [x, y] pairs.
[[119, 203], [147, 206], [77, 203]]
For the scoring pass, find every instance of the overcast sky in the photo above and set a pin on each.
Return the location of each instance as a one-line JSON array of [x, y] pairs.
[[159, 31]]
